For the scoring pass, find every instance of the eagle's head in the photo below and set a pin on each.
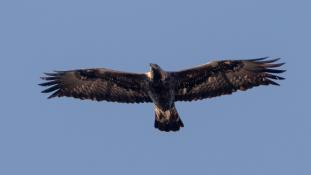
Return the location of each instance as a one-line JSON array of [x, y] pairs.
[[156, 73]]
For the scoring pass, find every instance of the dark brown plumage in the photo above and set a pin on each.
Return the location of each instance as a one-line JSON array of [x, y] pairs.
[[164, 88], [97, 84], [224, 77]]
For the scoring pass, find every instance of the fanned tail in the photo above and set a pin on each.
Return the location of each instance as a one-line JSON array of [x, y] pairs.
[[168, 120]]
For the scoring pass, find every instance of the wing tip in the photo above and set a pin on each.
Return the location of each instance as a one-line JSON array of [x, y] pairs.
[[265, 60], [269, 66], [273, 82], [258, 59], [55, 94], [51, 82]]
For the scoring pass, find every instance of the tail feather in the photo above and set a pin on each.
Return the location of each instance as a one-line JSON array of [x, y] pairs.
[[168, 120]]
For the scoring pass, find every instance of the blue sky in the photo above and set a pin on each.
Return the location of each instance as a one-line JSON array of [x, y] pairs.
[[265, 130]]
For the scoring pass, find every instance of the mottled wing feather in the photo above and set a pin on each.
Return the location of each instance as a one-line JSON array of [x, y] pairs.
[[97, 84], [225, 77]]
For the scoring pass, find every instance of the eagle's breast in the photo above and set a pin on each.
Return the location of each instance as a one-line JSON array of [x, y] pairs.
[[162, 92]]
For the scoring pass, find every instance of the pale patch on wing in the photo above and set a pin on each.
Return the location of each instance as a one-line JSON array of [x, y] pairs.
[[211, 79], [184, 91], [200, 65], [213, 63]]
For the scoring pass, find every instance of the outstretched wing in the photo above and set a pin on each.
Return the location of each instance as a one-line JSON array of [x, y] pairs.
[[224, 77], [97, 84]]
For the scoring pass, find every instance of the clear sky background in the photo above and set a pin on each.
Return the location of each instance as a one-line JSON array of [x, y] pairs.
[[265, 130]]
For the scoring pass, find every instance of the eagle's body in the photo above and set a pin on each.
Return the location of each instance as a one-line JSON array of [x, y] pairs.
[[163, 88]]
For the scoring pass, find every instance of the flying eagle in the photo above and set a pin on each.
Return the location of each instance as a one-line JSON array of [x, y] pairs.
[[164, 88]]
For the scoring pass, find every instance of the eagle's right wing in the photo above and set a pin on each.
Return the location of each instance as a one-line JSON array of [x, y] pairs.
[[224, 77], [98, 84]]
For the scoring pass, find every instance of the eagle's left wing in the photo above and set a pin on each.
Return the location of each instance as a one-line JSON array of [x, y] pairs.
[[98, 84], [224, 77]]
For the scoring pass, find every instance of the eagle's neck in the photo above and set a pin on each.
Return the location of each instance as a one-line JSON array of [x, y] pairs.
[[156, 73]]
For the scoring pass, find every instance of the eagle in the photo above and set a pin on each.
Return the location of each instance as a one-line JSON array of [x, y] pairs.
[[164, 88]]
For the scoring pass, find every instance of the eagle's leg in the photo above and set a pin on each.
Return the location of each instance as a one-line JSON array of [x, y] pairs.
[[167, 120]]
